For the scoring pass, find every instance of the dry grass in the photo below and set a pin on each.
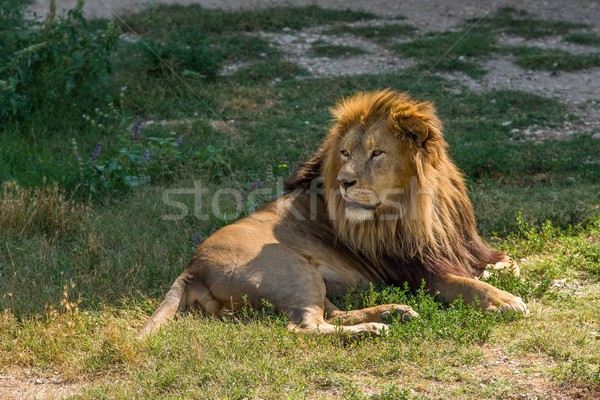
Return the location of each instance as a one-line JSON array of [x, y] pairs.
[[45, 209]]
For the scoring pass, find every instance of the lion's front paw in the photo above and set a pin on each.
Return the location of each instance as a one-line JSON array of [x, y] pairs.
[[404, 312], [504, 302]]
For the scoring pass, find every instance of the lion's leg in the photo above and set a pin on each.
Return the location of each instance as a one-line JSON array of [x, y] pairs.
[[310, 317], [312, 321], [451, 287], [381, 313]]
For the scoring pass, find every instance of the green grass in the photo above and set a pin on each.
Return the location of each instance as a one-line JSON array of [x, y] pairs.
[[384, 34], [324, 49], [71, 300], [162, 19], [553, 59], [519, 23], [450, 51], [586, 39]]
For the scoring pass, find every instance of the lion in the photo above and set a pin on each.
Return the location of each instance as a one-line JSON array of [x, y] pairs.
[[380, 202]]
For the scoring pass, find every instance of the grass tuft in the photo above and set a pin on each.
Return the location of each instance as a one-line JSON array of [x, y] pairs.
[[44, 210]]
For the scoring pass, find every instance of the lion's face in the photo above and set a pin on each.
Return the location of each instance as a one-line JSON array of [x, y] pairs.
[[375, 167]]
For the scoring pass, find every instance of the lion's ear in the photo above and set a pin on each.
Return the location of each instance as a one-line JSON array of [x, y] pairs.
[[415, 127]]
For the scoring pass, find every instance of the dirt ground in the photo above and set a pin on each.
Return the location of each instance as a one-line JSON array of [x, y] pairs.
[[579, 91]]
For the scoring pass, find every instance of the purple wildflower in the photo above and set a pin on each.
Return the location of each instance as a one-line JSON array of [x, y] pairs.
[[137, 128], [179, 141], [96, 153], [196, 239], [146, 156]]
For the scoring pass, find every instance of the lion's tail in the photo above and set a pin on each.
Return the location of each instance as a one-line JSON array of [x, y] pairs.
[[174, 300]]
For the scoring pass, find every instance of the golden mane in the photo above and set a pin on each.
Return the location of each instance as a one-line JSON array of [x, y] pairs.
[[435, 225]]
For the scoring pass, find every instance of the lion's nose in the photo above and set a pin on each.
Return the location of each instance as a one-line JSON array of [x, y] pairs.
[[346, 184]]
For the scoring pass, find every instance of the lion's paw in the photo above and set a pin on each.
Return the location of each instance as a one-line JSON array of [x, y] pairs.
[[368, 329], [506, 302], [404, 312]]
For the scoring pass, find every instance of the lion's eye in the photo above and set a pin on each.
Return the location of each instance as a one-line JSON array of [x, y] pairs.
[[345, 153], [376, 153]]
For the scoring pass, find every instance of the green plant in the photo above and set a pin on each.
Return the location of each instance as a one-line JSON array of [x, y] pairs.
[[134, 160], [57, 62]]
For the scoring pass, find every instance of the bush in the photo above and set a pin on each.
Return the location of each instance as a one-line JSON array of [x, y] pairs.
[[58, 61]]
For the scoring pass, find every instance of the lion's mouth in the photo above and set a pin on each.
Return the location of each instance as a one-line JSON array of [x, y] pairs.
[[351, 203]]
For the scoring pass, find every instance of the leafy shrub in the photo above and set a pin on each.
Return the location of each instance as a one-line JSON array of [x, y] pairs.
[[47, 63]]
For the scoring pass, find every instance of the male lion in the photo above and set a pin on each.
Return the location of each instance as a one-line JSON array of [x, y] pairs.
[[379, 202]]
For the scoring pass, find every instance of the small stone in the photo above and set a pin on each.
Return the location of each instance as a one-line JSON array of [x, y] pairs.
[[596, 136], [287, 39], [506, 123]]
